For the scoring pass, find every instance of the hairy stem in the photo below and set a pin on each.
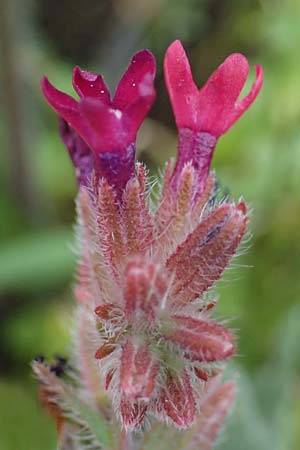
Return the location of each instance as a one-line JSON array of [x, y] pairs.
[[126, 440]]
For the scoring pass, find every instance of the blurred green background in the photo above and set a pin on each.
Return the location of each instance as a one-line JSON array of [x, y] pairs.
[[259, 159]]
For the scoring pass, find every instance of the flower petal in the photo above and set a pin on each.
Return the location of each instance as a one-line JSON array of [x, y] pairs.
[[89, 84], [109, 134], [247, 101], [217, 103], [135, 93], [181, 87], [218, 96], [66, 107], [214, 108], [137, 82]]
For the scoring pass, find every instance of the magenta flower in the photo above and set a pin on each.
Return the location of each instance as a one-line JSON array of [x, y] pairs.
[[100, 133], [202, 116]]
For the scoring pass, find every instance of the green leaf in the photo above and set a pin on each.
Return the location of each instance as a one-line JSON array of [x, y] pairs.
[[96, 423]]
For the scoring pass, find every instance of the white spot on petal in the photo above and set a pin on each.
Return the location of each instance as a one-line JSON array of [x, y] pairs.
[[145, 86], [117, 113]]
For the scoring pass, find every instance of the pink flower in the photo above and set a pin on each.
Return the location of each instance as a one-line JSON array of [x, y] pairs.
[[145, 275], [100, 133], [202, 116]]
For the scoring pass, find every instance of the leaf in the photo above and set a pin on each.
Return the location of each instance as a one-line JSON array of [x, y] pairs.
[[95, 422]]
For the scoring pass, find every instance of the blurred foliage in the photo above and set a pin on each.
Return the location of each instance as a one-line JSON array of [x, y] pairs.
[[22, 426], [259, 159], [36, 262]]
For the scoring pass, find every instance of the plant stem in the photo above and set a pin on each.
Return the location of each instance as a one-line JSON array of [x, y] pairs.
[[126, 440]]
